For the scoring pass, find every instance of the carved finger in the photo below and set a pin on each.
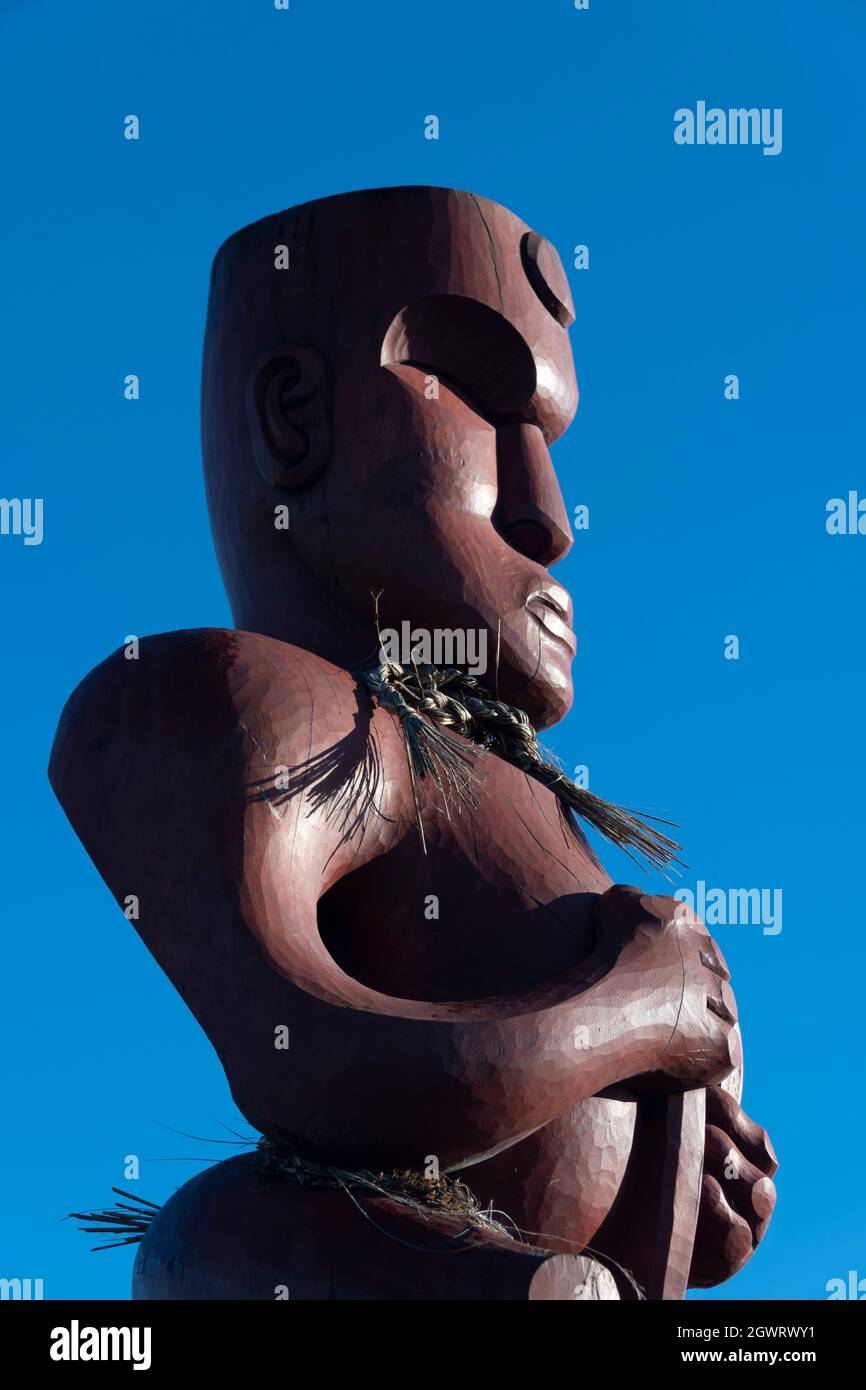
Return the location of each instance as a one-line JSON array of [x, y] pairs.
[[748, 1191], [712, 959], [723, 1240], [753, 1141], [722, 1003]]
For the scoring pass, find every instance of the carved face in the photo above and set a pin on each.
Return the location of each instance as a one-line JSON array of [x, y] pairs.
[[412, 443]]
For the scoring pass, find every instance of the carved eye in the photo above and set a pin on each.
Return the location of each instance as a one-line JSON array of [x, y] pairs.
[[433, 387], [546, 276], [465, 343]]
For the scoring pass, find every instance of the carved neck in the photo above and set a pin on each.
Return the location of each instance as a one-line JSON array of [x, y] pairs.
[[289, 604]]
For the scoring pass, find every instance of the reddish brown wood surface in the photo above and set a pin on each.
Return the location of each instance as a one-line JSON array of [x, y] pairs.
[[543, 1026]]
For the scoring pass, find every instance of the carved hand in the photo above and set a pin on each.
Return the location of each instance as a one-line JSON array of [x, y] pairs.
[[671, 971], [737, 1191]]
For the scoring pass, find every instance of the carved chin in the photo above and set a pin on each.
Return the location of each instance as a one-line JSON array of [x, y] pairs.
[[555, 700], [545, 694]]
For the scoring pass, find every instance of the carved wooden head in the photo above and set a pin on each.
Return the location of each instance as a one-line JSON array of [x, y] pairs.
[[390, 367]]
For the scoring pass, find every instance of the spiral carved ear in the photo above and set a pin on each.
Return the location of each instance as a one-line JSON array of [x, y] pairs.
[[288, 413]]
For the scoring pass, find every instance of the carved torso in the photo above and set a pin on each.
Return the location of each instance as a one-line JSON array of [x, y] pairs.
[[235, 743]]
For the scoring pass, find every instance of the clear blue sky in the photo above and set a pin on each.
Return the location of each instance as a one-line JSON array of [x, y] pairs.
[[707, 515]]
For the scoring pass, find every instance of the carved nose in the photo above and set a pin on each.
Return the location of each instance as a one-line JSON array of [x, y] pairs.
[[529, 512]]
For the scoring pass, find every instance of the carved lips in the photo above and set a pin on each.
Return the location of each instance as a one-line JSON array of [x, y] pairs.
[[551, 607]]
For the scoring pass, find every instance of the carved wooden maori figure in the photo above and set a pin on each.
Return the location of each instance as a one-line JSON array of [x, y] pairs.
[[370, 854]]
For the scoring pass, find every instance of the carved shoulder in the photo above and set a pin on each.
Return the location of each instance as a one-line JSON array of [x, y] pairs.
[[166, 757]]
